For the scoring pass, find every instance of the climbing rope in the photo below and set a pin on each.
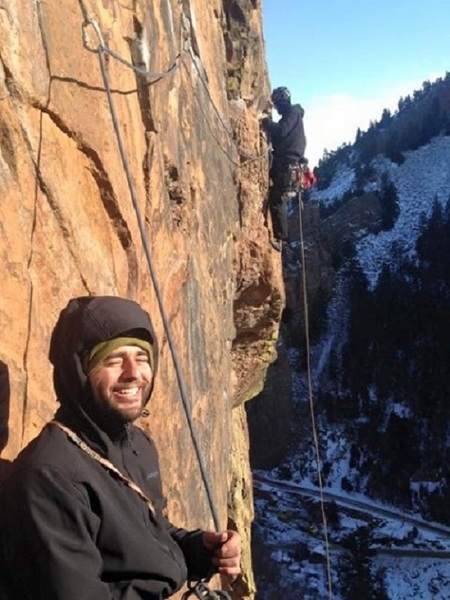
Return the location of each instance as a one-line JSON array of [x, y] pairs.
[[101, 51], [311, 399], [143, 72], [199, 588], [249, 157], [88, 21]]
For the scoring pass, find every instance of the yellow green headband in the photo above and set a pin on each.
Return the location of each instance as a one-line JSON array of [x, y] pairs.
[[104, 349]]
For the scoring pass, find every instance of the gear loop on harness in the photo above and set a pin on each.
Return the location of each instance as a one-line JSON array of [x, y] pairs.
[[292, 181], [200, 589]]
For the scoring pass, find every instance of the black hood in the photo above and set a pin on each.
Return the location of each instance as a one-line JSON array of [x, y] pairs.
[[84, 323]]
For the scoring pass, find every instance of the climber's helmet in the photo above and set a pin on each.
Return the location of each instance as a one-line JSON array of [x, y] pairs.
[[281, 96]]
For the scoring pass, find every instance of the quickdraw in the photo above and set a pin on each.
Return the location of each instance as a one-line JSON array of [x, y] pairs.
[[200, 590]]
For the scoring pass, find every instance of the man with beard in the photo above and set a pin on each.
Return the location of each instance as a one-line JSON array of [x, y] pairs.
[[82, 510]]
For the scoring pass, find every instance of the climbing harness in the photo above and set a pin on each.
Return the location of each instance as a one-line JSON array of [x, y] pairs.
[[292, 182], [298, 178], [202, 591], [311, 399]]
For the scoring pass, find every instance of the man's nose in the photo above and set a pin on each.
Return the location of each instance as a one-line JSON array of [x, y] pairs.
[[130, 369]]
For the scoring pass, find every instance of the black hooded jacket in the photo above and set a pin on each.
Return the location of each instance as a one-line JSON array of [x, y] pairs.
[[287, 136], [69, 530]]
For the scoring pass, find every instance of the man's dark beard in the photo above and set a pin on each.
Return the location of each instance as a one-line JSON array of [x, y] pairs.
[[110, 419]]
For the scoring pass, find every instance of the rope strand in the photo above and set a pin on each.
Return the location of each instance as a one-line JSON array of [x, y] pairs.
[[152, 77], [311, 399], [151, 269], [101, 50]]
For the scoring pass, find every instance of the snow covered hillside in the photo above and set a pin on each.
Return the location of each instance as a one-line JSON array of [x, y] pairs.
[[423, 177]]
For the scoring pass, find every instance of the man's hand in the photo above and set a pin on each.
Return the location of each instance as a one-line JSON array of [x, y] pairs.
[[226, 547], [266, 123]]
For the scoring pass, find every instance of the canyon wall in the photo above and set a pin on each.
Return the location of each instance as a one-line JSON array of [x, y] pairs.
[[132, 163]]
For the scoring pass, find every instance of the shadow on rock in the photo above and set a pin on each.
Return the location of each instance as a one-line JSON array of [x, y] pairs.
[[5, 392]]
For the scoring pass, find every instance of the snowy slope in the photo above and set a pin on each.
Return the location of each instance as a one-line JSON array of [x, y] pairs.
[[424, 176]]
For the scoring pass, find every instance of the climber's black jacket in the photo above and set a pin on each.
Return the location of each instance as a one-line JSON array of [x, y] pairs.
[[69, 530], [287, 136]]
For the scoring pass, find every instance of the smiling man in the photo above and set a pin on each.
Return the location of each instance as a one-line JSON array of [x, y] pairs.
[[121, 382], [82, 510]]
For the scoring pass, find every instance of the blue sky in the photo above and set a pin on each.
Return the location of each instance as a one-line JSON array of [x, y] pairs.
[[347, 60]]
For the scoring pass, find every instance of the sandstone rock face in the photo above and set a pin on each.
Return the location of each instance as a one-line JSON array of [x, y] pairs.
[[90, 149], [270, 416]]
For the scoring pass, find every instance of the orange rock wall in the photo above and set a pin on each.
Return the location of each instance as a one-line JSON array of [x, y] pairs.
[[68, 226]]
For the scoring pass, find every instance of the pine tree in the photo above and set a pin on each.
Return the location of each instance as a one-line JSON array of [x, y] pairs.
[[390, 208]]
